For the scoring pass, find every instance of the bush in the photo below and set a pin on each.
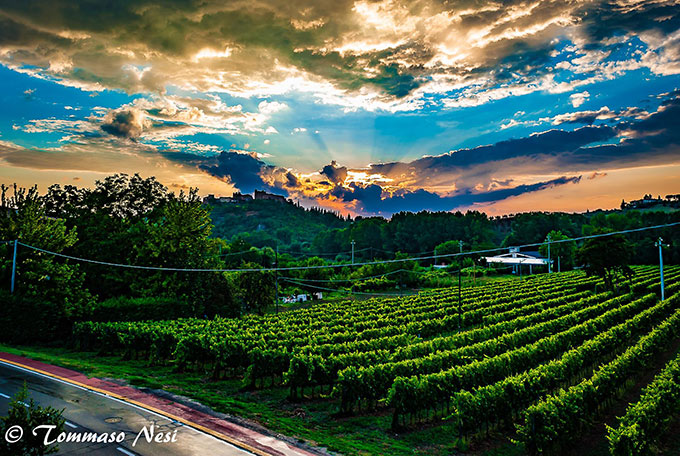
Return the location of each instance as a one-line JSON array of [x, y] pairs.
[[27, 319], [137, 309], [375, 284]]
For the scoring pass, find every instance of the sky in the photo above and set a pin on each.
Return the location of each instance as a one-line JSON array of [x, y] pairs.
[[365, 107]]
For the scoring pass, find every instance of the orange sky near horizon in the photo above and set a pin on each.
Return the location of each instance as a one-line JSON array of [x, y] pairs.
[[604, 191]]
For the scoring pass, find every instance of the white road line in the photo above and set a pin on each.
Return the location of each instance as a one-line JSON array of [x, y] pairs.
[[5, 396], [124, 451], [198, 431], [69, 424], [84, 389], [24, 404]]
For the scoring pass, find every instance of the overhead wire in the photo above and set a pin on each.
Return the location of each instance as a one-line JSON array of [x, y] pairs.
[[358, 279], [341, 265], [336, 290]]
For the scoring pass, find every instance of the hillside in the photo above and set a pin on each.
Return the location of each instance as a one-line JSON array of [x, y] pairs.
[[296, 229], [264, 223]]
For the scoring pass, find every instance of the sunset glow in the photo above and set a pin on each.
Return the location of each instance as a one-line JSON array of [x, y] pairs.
[[363, 107]]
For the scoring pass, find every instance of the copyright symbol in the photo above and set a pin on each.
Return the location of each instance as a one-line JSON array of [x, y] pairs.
[[14, 434]]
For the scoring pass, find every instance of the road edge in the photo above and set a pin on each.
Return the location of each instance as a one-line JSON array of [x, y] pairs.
[[218, 435]]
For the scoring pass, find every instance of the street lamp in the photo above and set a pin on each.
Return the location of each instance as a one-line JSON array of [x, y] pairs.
[[659, 243]]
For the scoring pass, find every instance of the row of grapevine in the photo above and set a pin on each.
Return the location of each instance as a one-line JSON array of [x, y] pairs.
[[409, 394], [373, 382], [505, 399], [319, 367], [222, 344], [552, 422], [645, 421]]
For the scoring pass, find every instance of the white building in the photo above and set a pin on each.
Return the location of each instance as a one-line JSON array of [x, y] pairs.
[[517, 259]]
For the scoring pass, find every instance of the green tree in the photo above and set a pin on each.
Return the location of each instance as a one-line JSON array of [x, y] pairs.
[[49, 291], [28, 418], [607, 257], [565, 251], [132, 220], [256, 289], [112, 220], [448, 248]]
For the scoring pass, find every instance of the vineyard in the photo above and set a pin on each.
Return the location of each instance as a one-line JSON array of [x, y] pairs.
[[539, 358]]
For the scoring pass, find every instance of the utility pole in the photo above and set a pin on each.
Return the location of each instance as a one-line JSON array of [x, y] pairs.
[[276, 275], [14, 265], [549, 262], [435, 256], [353, 251], [660, 244], [460, 265]]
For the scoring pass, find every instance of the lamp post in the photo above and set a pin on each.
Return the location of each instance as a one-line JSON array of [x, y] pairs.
[[276, 274], [549, 262], [460, 265], [14, 265], [659, 243], [353, 251]]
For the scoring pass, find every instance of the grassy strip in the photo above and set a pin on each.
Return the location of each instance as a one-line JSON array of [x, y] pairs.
[[311, 421]]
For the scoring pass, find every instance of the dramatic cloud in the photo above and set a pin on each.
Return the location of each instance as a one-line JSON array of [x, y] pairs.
[[542, 153], [584, 117], [648, 139], [268, 95], [334, 173], [244, 170], [385, 54], [126, 123], [371, 198]]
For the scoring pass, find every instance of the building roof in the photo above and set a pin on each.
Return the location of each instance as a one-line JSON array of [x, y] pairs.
[[530, 257]]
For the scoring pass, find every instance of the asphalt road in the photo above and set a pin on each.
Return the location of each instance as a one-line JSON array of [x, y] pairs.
[[88, 411]]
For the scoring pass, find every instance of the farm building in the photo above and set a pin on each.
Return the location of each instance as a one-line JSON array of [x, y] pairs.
[[517, 259]]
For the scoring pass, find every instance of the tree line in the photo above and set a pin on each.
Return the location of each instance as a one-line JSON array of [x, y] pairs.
[[136, 221]]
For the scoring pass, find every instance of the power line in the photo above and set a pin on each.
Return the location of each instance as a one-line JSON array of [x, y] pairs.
[[242, 252], [342, 265], [358, 279], [392, 251], [323, 254], [336, 290]]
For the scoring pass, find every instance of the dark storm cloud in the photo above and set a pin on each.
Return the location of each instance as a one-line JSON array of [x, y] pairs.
[[243, 170], [125, 123], [291, 180], [239, 169], [605, 19], [334, 173], [552, 142], [371, 199]]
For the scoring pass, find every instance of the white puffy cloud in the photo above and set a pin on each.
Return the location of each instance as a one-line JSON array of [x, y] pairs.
[[577, 99]]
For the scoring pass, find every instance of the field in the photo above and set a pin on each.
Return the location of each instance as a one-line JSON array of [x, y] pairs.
[[537, 360]]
